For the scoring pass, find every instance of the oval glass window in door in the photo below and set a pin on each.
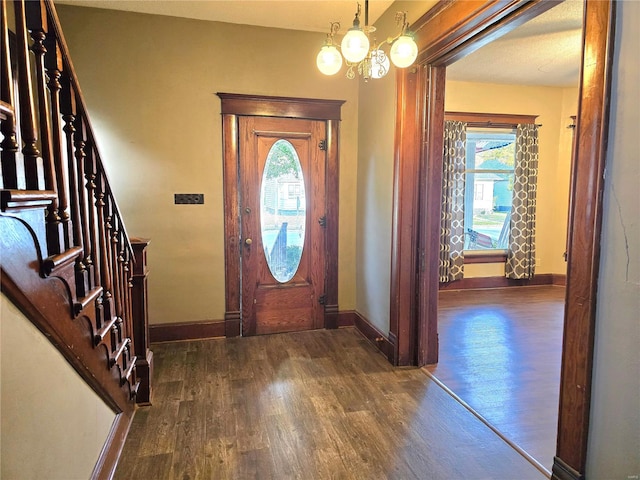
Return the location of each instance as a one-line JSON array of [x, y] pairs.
[[283, 210]]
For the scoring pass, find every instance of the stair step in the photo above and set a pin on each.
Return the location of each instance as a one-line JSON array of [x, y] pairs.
[[120, 351], [85, 301], [61, 260], [129, 371], [106, 328]]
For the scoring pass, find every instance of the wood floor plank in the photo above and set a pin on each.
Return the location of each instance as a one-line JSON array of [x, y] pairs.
[[195, 370], [217, 461], [189, 454], [307, 405], [159, 430], [171, 361], [250, 423], [154, 466], [134, 440]]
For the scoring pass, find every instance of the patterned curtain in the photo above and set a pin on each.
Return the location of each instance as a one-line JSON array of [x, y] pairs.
[[521, 256], [452, 219]]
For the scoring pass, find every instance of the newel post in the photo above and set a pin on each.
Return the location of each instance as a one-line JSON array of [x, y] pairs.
[[144, 365]]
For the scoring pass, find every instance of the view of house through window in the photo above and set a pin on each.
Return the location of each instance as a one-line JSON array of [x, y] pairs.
[[283, 210], [488, 188]]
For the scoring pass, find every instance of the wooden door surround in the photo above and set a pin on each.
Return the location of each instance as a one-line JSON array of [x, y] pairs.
[[449, 31], [234, 106]]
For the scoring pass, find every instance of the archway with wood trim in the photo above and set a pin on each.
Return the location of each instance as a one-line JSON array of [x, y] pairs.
[[446, 33]]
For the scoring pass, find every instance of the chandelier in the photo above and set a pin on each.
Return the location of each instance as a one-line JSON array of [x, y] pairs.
[[360, 52]]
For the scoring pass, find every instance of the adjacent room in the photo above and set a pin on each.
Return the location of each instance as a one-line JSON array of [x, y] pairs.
[[500, 327]]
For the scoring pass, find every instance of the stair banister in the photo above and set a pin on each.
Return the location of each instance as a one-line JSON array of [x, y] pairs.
[[71, 266]]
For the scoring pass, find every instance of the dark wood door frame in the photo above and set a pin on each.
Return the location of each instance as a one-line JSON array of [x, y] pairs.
[[234, 106], [446, 33]]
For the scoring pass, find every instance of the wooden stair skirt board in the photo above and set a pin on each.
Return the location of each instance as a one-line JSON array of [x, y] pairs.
[[501, 282], [110, 454]]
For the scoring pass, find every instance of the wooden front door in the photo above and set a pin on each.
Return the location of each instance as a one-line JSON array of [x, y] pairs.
[[282, 218]]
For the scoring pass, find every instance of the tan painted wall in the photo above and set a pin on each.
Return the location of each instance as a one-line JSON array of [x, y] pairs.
[[376, 115], [53, 425], [614, 431], [563, 173], [554, 106], [150, 84], [375, 200]]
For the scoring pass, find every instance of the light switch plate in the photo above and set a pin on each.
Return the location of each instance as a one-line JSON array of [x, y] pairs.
[[189, 198]]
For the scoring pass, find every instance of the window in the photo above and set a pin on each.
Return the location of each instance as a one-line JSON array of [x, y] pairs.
[[294, 190], [478, 189], [490, 158], [478, 184]]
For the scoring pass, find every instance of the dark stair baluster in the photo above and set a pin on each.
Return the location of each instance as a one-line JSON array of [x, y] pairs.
[[9, 143]]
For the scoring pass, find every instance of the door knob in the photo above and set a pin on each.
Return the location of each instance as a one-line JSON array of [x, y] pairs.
[[248, 241]]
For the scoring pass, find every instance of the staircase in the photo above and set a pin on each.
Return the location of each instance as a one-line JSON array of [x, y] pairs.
[[66, 259]]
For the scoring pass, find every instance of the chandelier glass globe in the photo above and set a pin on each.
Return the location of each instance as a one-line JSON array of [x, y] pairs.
[[404, 51], [329, 60], [355, 45]]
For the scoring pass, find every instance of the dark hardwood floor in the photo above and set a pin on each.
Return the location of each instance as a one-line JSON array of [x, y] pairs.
[[500, 352], [311, 405]]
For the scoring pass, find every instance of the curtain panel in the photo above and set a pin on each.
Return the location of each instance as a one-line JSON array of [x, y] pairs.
[[452, 216], [521, 255]]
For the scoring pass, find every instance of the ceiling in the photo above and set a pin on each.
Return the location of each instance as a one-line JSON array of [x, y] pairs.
[[544, 51], [308, 15]]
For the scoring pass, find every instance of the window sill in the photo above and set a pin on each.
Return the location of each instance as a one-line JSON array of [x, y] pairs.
[[485, 256]]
